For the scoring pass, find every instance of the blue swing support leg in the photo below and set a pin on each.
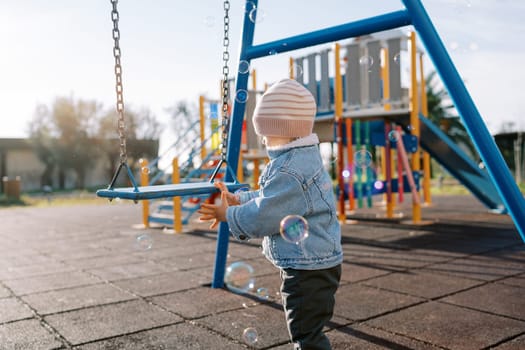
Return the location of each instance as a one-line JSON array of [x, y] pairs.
[[491, 156], [234, 147]]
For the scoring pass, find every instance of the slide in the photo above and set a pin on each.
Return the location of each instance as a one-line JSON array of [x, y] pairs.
[[457, 163]]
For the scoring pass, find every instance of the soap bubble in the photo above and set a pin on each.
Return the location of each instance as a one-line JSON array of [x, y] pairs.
[[209, 21], [294, 228], [241, 96], [362, 158], [239, 277], [249, 335], [393, 136], [263, 293], [257, 15], [296, 70], [242, 189], [366, 61], [249, 6], [144, 242], [473, 46], [244, 67], [397, 58]]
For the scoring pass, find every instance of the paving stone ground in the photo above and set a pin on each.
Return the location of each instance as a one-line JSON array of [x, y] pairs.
[[75, 278]]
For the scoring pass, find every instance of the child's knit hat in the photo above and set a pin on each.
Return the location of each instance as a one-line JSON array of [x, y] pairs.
[[286, 109]]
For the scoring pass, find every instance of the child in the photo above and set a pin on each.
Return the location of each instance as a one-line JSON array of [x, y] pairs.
[[294, 182]]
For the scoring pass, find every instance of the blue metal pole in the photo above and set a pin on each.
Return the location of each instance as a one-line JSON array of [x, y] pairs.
[[234, 141], [496, 166], [362, 27]]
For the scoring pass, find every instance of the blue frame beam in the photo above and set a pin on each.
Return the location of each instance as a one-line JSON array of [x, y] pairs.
[[349, 30], [234, 148]]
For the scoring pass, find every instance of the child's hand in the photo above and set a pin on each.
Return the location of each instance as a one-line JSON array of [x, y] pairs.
[[217, 213], [231, 198]]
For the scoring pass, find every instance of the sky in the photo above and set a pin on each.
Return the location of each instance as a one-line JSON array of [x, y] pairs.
[[172, 50]]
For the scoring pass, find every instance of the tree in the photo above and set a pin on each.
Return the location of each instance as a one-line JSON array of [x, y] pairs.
[[75, 126], [73, 133], [140, 125], [441, 111], [184, 116], [63, 137], [40, 134]]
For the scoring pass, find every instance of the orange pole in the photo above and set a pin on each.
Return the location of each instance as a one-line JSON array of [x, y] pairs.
[[292, 76], [144, 180], [177, 212], [414, 120], [256, 173], [338, 99]]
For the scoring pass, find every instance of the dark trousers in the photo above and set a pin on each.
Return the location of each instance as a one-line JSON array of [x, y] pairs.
[[308, 300]]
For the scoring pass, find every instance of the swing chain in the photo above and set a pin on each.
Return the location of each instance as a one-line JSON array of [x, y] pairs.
[[121, 125], [225, 83]]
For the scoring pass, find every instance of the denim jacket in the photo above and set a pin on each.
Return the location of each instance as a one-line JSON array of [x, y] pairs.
[[294, 182]]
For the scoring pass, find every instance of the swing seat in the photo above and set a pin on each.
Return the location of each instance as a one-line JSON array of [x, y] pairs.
[[163, 191]]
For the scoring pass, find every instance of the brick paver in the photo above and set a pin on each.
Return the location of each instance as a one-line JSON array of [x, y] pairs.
[[74, 278]]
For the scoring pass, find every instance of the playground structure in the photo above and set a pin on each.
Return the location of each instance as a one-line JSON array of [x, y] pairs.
[[376, 107], [413, 124], [414, 14], [369, 108], [197, 164], [191, 158]]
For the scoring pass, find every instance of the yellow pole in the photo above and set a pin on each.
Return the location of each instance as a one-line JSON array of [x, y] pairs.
[[414, 119], [254, 79], [386, 80], [144, 179], [427, 199], [202, 119], [177, 212], [338, 99], [386, 96], [292, 73]]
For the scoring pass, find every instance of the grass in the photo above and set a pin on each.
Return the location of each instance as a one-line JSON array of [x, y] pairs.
[[453, 187], [85, 197], [68, 198]]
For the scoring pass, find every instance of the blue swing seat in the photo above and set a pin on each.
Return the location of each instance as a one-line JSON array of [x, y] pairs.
[[164, 191]]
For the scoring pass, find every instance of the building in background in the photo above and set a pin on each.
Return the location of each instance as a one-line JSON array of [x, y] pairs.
[[19, 159]]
